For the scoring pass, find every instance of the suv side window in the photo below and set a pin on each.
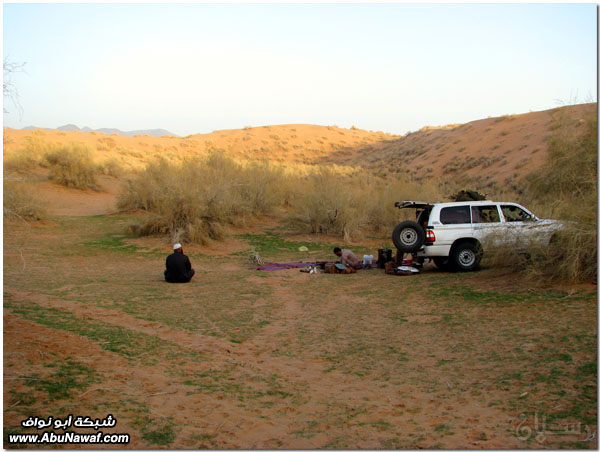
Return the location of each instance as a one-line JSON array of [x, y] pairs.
[[485, 214], [455, 215], [514, 213]]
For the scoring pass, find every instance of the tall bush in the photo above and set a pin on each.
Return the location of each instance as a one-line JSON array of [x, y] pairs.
[[192, 200], [567, 186], [564, 188], [72, 165]]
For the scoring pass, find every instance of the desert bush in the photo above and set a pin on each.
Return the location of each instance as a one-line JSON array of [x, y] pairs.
[[111, 167], [191, 201], [29, 156], [350, 205], [20, 160], [22, 202], [325, 204], [263, 187], [565, 188], [380, 196], [72, 166]]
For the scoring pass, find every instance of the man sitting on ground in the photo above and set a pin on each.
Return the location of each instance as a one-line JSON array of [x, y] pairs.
[[179, 268], [348, 258]]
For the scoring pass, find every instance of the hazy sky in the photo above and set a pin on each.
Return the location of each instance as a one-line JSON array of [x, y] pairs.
[[195, 68]]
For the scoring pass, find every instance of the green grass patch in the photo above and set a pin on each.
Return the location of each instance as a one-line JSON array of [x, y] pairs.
[[271, 243], [114, 242], [158, 432], [132, 345], [67, 376]]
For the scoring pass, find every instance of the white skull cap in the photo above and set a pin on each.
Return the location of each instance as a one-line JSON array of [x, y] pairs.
[[177, 246]]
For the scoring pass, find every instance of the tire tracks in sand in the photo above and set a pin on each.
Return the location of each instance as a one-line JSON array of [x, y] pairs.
[[339, 403]]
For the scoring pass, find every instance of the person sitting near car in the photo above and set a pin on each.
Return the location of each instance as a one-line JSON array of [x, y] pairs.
[[347, 257], [179, 268]]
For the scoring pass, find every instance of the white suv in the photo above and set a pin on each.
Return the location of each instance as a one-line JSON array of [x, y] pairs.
[[453, 233]]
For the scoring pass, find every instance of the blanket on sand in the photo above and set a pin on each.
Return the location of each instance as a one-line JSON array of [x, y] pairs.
[[269, 267], [272, 267]]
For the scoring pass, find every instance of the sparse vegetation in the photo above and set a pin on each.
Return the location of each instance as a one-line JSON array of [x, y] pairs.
[[565, 188], [567, 185], [22, 202], [29, 156], [73, 167]]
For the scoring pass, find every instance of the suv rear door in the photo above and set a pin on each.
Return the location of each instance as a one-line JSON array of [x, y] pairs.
[[455, 222], [486, 220]]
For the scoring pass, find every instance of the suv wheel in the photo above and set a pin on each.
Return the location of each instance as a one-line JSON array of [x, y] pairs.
[[408, 236], [466, 257]]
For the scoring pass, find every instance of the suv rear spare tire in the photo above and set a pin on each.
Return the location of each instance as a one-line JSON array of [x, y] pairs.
[[408, 236], [466, 256]]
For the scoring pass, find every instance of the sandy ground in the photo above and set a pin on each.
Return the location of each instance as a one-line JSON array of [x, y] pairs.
[[245, 359], [64, 201]]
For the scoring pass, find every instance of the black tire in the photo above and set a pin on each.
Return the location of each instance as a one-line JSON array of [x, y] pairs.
[[466, 257], [441, 262], [408, 236]]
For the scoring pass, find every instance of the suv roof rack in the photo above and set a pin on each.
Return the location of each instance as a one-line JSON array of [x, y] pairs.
[[413, 204]]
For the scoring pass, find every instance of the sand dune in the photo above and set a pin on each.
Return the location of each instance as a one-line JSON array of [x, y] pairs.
[[480, 154], [292, 143], [495, 149]]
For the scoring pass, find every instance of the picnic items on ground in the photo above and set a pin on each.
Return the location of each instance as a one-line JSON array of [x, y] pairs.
[[255, 258], [383, 256], [337, 268], [401, 270], [312, 269]]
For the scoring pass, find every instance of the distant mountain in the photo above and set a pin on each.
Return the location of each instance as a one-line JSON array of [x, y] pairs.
[[107, 131]]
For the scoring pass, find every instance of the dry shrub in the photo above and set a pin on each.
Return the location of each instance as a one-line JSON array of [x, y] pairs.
[[324, 204], [111, 167], [263, 187], [72, 166], [567, 185], [564, 188], [571, 256], [191, 201], [28, 157], [349, 205], [382, 195], [20, 160], [22, 202]]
